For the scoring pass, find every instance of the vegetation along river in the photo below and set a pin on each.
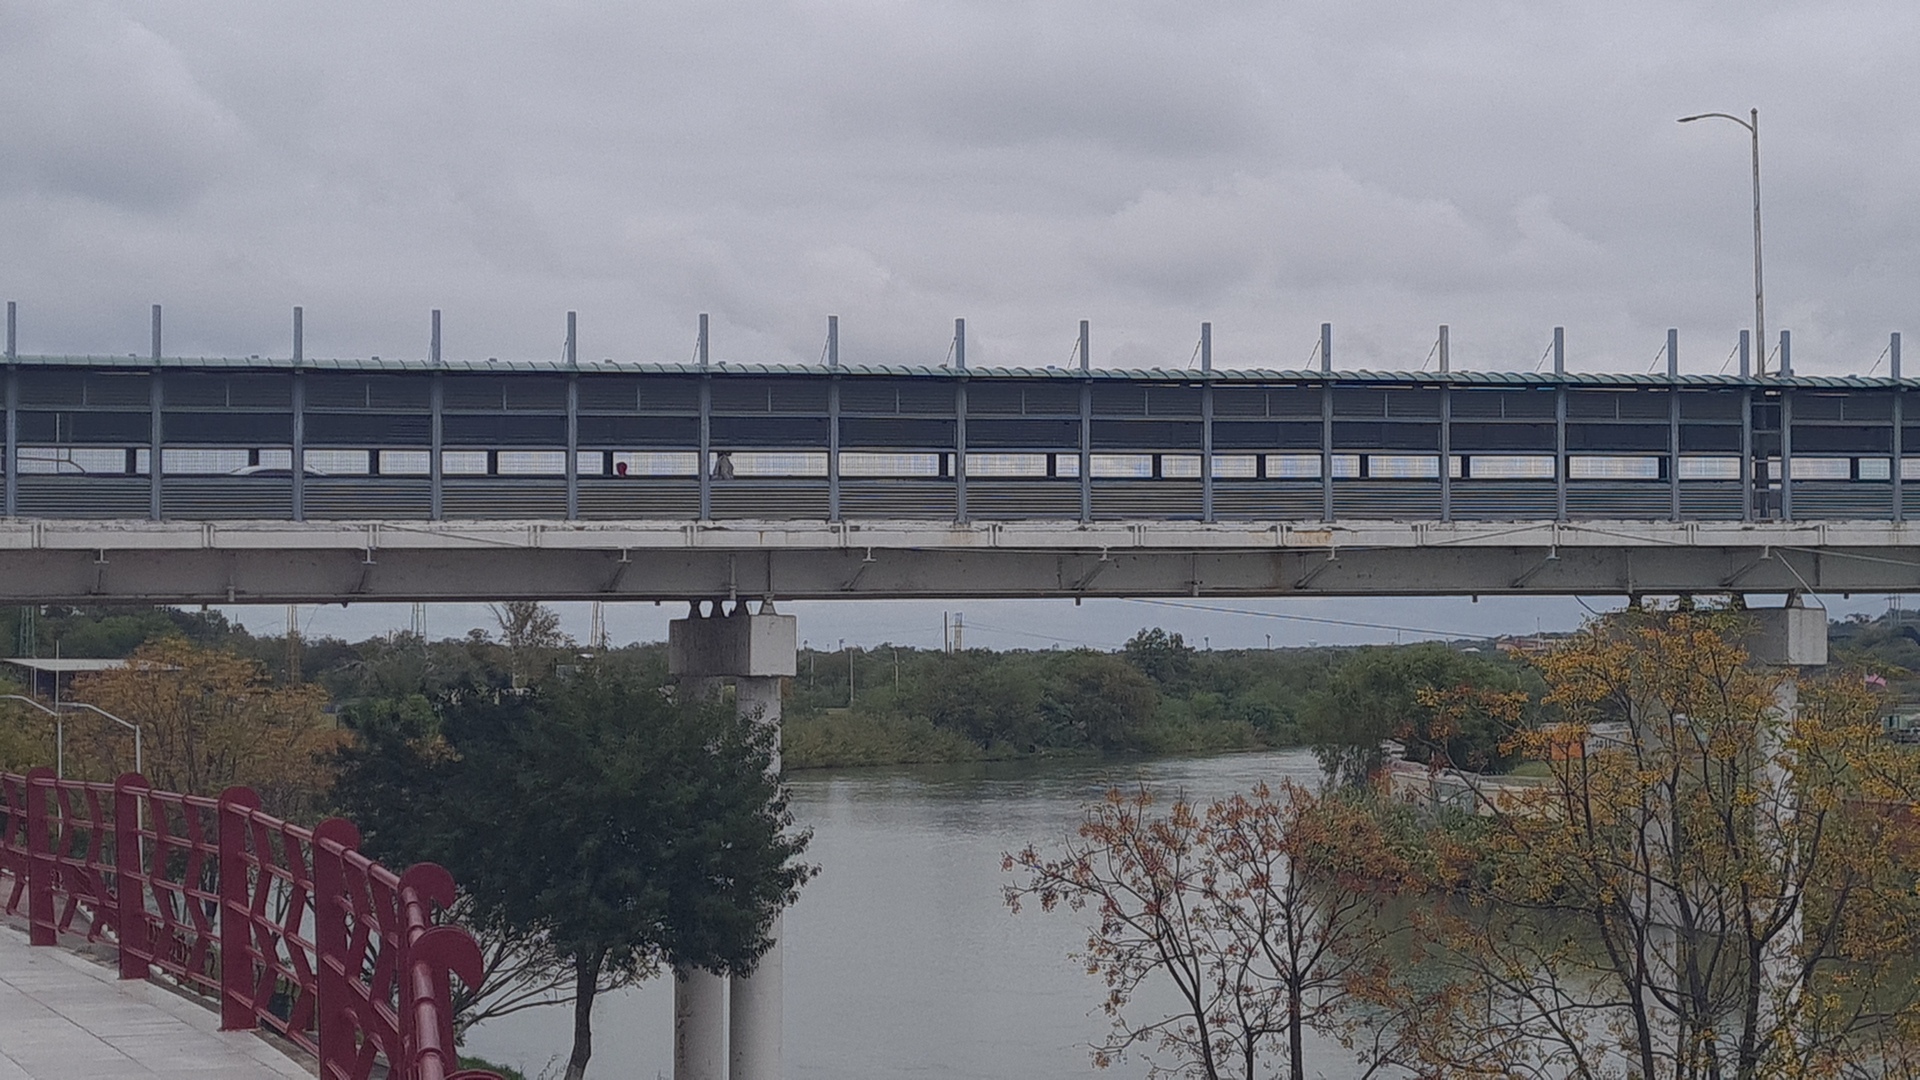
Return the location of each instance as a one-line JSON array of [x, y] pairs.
[[901, 958]]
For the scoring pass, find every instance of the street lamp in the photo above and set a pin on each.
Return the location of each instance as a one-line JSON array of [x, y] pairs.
[[60, 730], [1759, 292]]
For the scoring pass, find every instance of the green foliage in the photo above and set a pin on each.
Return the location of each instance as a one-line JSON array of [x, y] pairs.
[[505, 1072], [1374, 696], [843, 737], [1165, 658], [592, 810]]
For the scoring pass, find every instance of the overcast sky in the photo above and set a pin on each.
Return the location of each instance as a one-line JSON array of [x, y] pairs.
[[1501, 167]]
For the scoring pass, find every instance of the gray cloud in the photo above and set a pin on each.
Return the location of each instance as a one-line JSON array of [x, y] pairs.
[[1386, 166]]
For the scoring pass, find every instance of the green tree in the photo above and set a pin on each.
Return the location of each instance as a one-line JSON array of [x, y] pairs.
[[1097, 700], [1165, 658], [620, 829], [1383, 693]]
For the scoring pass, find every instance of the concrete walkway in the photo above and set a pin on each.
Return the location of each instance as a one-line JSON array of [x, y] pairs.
[[66, 1017]]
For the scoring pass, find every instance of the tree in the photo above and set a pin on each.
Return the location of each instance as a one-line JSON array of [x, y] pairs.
[[208, 720], [1719, 887], [1376, 695], [593, 817], [1098, 701], [1165, 658], [1266, 912], [531, 632]]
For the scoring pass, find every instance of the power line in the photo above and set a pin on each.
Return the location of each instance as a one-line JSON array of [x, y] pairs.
[[1304, 618]]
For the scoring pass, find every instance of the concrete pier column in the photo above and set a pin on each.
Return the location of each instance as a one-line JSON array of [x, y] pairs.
[[758, 1009], [699, 1025], [755, 652]]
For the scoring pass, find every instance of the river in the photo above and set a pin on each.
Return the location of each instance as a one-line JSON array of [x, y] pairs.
[[901, 958]]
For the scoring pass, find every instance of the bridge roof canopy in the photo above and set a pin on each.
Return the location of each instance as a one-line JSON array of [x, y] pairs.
[[379, 365]]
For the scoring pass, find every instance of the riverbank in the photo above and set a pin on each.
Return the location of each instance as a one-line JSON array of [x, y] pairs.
[[844, 738]]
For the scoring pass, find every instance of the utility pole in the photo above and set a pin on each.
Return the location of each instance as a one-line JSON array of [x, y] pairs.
[[293, 644]]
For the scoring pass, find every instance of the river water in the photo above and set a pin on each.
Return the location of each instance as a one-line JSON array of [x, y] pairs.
[[901, 958]]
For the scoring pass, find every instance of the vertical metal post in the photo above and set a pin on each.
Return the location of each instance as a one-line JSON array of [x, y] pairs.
[[334, 1029], [433, 342], [42, 868], [1086, 422], [573, 416], [1747, 482], [1786, 354], [1446, 445], [1673, 424], [706, 447], [13, 442], [12, 507], [1326, 346], [235, 929], [1326, 447], [156, 399], [1559, 351], [297, 453], [1206, 422], [960, 450], [706, 424], [1896, 483], [1086, 449], [130, 890], [1560, 452], [436, 474], [833, 438], [297, 394], [1446, 357], [960, 344], [833, 341], [1786, 441]]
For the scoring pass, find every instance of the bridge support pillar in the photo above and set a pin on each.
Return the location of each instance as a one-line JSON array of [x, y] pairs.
[[731, 1029]]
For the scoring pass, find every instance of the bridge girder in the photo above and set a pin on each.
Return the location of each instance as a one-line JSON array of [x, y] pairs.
[[342, 562]]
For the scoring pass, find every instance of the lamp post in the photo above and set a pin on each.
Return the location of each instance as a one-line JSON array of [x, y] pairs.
[[1759, 291], [60, 730]]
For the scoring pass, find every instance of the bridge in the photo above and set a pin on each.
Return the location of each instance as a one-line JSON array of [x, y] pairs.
[[173, 479]]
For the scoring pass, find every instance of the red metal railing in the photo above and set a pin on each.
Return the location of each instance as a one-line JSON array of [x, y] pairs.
[[289, 929]]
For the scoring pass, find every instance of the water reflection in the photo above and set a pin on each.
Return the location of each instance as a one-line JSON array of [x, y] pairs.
[[901, 958]]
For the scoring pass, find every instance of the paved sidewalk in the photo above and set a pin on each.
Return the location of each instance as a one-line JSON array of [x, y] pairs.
[[66, 1017]]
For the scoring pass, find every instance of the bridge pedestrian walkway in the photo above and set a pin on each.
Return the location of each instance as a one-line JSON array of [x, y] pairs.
[[66, 1017]]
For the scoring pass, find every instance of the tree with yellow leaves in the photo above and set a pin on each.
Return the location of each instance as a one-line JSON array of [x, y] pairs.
[[1265, 913], [209, 720], [1716, 882]]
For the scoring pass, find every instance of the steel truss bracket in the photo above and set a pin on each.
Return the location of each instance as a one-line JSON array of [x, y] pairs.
[[1552, 556], [1333, 556]]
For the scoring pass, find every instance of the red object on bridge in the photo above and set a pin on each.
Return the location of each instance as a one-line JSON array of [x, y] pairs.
[[288, 929]]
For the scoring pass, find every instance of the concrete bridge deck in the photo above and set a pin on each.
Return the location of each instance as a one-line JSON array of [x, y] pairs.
[[66, 1017]]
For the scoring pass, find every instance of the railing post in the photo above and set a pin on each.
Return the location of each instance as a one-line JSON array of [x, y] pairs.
[[130, 877], [1206, 422], [1673, 424], [236, 918], [41, 868], [156, 437], [573, 416], [334, 1022], [1896, 483], [297, 399]]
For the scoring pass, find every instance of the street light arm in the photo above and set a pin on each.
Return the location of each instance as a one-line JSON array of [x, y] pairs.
[[128, 724], [29, 701], [1712, 115]]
